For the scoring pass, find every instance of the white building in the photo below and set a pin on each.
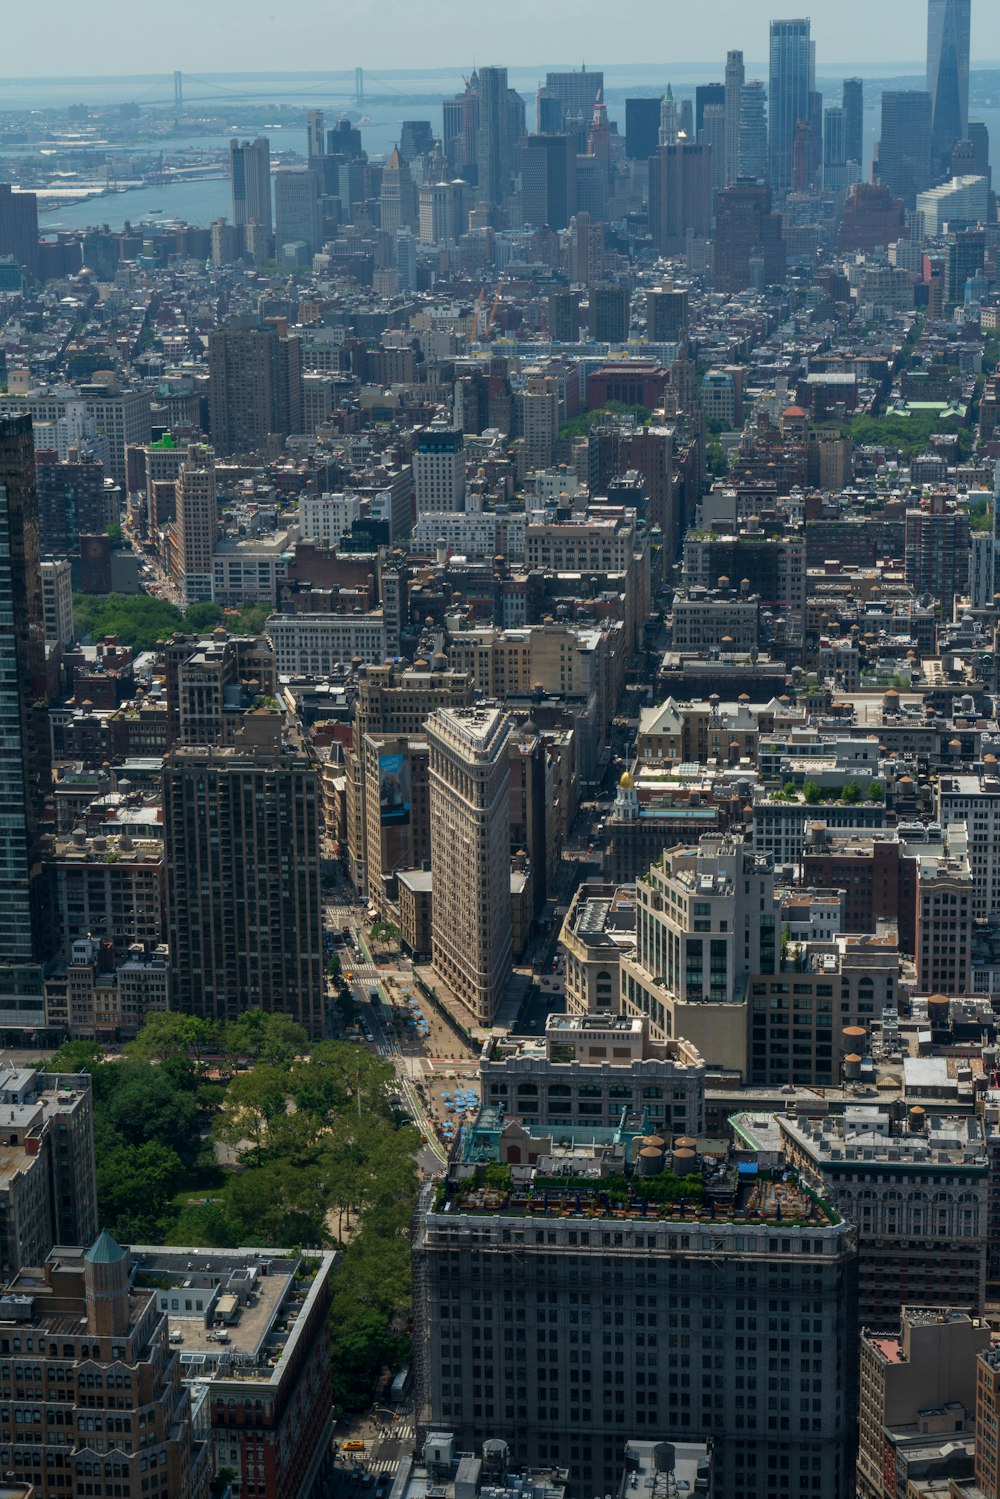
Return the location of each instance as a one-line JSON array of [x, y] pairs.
[[439, 469], [57, 600], [325, 518], [465, 533], [316, 644], [964, 199], [252, 572]]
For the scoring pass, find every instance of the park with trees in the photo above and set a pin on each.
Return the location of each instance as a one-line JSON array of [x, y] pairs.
[[244, 1134]]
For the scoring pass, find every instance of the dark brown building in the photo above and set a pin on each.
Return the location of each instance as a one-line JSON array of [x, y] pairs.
[[747, 230]]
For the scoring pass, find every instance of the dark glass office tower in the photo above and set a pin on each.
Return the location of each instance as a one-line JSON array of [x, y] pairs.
[[854, 122], [949, 24], [25, 764], [793, 72], [904, 152]]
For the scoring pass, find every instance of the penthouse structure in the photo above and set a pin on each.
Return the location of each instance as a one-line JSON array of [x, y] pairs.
[[918, 1193], [539, 1314], [588, 1069]]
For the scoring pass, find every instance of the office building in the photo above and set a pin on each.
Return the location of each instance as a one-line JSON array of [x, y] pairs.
[[749, 245], [196, 529], [19, 227], [642, 128], [565, 103], [609, 313], [211, 684], [588, 1068], [707, 96], [854, 122], [470, 853], [108, 888], [253, 1331], [539, 406], [398, 196], [706, 919], [917, 1189], [792, 82], [315, 135], [441, 212], [296, 210], [255, 386], [548, 180], [732, 103], [949, 25], [666, 315], [753, 132], [913, 1382], [250, 172], [241, 827], [86, 1323], [25, 764], [438, 463], [560, 1332], [57, 600], [493, 153], [680, 196], [904, 148]]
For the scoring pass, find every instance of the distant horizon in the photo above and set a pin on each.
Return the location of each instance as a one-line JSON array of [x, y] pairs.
[[100, 41]]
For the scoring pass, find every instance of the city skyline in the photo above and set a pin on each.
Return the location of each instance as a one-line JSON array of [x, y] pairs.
[[100, 39]]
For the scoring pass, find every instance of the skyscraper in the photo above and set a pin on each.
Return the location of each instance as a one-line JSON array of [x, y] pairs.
[[470, 853], [949, 24], [680, 195], [642, 128], [548, 180], [732, 97], [296, 209], [835, 148], [793, 72], [250, 168], [25, 766], [493, 148], [854, 121], [753, 132], [398, 195], [19, 226], [316, 135], [196, 529], [904, 150], [241, 828], [566, 101], [748, 238]]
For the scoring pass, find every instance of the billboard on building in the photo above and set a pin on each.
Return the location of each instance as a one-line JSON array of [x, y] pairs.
[[393, 790]]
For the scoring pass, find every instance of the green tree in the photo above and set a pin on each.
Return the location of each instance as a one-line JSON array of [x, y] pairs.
[[168, 1033], [253, 1101], [134, 1185], [876, 791], [852, 793], [812, 793], [76, 1056], [199, 618]]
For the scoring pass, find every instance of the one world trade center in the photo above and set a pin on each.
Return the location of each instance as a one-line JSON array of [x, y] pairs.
[[948, 29]]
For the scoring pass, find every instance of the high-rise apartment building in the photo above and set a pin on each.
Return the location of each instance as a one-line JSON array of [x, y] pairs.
[[793, 81], [732, 105], [753, 132], [255, 386], [854, 122], [609, 312], [49, 1191], [250, 170], [904, 149], [57, 600], [937, 549], [100, 1353], [539, 407], [949, 25], [470, 853], [19, 227], [25, 763], [438, 464], [493, 154], [71, 501], [241, 826], [296, 209], [563, 1327], [196, 529], [706, 919]]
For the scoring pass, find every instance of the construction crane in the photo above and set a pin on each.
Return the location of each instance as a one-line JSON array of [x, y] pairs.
[[493, 310]]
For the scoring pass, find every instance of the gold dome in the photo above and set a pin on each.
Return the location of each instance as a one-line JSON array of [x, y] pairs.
[[626, 782]]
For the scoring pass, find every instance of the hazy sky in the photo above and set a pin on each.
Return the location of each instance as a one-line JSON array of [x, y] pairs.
[[202, 36]]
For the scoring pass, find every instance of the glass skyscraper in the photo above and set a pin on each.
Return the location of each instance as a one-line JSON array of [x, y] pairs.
[[793, 72], [949, 23]]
